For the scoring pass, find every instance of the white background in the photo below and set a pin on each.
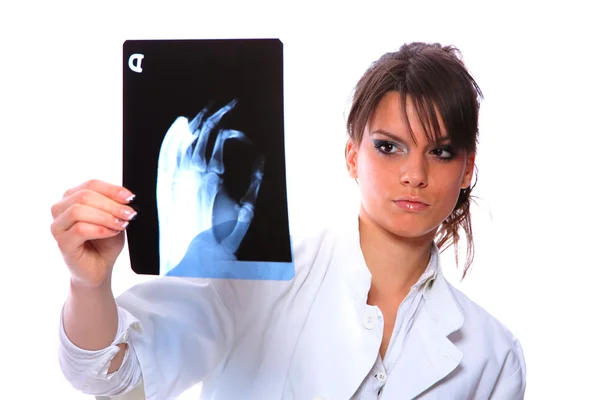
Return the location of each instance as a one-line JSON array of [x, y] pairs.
[[536, 229]]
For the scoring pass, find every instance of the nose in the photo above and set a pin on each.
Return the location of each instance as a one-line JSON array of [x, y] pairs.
[[414, 171]]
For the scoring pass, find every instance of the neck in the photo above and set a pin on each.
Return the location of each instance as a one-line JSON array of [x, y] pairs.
[[396, 263]]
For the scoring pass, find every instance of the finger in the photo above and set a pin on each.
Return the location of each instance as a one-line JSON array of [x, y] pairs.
[[246, 210], [214, 119], [72, 239], [257, 176], [205, 131], [195, 128], [89, 215], [96, 200], [232, 242], [195, 123], [114, 192], [216, 161]]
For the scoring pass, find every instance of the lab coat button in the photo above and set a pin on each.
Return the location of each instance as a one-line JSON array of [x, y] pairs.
[[369, 321], [381, 377]]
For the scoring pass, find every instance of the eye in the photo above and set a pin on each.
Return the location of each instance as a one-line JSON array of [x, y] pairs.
[[445, 153], [386, 148]]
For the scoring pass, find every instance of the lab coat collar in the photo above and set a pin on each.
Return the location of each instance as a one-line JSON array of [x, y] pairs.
[[441, 305], [428, 356], [359, 277]]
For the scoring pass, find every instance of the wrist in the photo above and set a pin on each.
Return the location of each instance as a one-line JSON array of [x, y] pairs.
[[78, 285]]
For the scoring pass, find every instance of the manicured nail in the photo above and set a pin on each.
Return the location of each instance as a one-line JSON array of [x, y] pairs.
[[128, 214], [127, 196], [121, 223]]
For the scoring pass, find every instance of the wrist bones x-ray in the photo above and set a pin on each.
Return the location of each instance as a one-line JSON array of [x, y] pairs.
[[191, 196]]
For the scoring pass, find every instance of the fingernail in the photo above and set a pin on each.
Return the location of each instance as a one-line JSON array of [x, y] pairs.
[[128, 214], [121, 223], [127, 196]]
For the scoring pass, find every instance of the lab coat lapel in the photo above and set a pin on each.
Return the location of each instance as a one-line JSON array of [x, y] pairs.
[[428, 355], [335, 351]]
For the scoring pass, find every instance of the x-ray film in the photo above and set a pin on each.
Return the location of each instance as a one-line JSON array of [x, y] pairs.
[[203, 150]]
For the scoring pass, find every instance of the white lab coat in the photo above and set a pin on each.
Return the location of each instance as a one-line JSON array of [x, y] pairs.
[[307, 338]]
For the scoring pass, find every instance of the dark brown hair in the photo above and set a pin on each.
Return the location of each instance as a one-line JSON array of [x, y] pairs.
[[436, 80]]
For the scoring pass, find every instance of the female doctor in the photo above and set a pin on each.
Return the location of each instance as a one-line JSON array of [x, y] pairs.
[[368, 315]]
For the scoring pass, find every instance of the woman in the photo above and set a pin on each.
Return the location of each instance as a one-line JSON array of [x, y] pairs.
[[368, 315]]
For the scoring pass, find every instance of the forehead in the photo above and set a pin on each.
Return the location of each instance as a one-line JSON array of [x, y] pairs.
[[411, 118]]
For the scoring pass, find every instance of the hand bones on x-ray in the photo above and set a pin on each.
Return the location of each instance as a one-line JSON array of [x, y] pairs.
[[191, 197]]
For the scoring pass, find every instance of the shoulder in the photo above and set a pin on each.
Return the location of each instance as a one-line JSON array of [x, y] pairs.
[[488, 343], [476, 315]]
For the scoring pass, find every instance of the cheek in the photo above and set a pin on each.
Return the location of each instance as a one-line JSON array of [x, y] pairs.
[[447, 184], [450, 184], [373, 173]]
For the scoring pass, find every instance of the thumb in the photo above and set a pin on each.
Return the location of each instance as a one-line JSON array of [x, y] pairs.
[[232, 242], [249, 198]]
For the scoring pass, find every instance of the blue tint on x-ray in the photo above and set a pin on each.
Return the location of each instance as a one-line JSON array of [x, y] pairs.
[[204, 259], [251, 270]]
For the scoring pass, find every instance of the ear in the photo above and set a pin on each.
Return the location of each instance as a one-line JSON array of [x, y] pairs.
[[469, 171], [351, 158]]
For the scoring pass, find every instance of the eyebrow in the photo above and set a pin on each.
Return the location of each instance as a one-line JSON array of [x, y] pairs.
[[399, 139]]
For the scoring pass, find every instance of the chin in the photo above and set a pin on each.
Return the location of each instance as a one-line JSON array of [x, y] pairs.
[[410, 232], [412, 226]]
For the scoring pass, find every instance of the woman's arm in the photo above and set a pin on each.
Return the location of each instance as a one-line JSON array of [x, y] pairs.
[[89, 223], [511, 382], [111, 370], [90, 319]]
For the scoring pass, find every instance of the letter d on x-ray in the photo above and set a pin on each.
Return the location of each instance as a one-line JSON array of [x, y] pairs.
[[135, 62]]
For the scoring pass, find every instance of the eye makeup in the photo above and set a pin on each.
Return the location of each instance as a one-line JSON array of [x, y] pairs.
[[449, 150], [386, 147]]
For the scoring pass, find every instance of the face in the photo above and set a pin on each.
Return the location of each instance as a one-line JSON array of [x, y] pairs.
[[407, 187]]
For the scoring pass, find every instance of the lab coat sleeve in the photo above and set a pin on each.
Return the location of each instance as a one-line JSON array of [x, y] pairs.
[[87, 370], [512, 379], [185, 331], [177, 331]]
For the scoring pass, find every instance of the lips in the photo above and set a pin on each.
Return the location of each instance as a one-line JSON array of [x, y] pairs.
[[411, 204], [413, 199]]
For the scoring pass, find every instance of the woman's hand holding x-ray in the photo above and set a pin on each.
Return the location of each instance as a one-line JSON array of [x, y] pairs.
[[193, 204]]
